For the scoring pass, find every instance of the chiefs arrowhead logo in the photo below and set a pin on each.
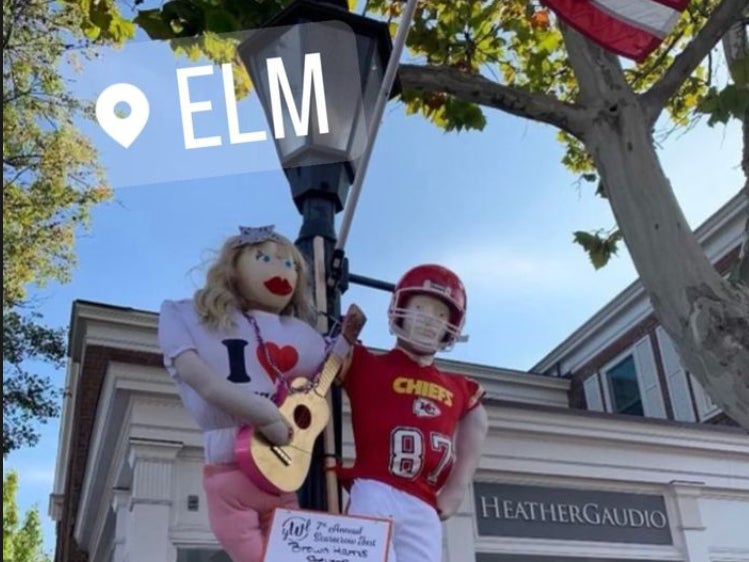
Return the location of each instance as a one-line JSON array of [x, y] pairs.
[[425, 408]]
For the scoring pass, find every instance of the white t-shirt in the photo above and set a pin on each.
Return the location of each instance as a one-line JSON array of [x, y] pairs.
[[296, 348]]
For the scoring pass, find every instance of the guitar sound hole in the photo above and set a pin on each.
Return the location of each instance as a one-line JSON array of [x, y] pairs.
[[302, 417]]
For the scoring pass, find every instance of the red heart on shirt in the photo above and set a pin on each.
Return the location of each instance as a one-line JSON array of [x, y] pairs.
[[284, 358]]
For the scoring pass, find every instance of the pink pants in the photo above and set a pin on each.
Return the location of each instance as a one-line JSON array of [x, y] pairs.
[[239, 512]]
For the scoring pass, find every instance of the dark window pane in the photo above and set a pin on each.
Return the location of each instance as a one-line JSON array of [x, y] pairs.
[[624, 390]]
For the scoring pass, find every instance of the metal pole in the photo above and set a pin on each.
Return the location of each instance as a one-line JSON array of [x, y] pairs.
[[371, 283], [321, 302], [382, 98], [316, 241]]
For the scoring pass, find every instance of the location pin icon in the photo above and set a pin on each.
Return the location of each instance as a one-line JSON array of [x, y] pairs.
[[123, 130]]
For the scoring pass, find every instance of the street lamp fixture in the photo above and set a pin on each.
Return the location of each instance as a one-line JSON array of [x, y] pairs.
[[354, 52]]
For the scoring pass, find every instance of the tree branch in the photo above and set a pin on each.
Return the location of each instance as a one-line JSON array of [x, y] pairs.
[[722, 18], [601, 82], [478, 89]]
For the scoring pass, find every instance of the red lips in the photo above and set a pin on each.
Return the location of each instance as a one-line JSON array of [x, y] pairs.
[[279, 286]]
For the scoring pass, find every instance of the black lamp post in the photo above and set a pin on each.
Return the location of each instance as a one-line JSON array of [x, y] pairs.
[[321, 166]]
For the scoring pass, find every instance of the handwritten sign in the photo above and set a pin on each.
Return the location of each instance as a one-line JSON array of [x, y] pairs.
[[309, 536]]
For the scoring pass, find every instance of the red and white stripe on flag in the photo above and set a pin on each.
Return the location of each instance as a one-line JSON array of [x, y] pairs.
[[630, 28]]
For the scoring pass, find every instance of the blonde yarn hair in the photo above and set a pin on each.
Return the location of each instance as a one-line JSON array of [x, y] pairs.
[[220, 296]]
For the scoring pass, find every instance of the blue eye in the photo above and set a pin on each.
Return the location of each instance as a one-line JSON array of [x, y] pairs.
[[288, 263], [266, 259], [260, 256]]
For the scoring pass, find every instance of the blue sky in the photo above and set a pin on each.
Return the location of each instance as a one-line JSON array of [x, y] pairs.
[[496, 206]]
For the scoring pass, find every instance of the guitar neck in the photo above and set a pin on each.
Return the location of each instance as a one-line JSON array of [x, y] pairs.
[[342, 345], [328, 374]]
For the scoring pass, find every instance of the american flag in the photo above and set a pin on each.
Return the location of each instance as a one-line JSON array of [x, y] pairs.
[[630, 28]]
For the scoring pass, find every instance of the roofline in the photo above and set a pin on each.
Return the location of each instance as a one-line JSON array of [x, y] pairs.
[[729, 212], [83, 310], [697, 427]]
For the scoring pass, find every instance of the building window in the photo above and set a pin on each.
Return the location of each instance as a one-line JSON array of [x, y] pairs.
[[624, 389], [630, 383]]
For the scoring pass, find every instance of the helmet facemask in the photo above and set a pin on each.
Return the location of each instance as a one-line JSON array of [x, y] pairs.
[[424, 321]]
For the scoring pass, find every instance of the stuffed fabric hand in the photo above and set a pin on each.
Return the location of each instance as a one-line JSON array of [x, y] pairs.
[[449, 500], [278, 432]]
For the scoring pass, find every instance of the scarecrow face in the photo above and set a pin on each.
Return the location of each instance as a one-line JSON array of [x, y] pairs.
[[267, 276], [425, 323]]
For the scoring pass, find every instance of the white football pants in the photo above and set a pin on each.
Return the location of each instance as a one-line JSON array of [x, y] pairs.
[[416, 532]]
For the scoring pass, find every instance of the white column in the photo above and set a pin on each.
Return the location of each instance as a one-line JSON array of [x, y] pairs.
[[120, 506], [458, 536], [151, 492], [689, 520]]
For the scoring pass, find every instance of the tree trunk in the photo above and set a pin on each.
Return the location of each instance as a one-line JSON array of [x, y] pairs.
[[706, 316], [736, 49]]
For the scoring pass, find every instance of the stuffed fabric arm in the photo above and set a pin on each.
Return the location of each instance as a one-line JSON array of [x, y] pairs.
[[469, 440], [346, 352], [257, 410]]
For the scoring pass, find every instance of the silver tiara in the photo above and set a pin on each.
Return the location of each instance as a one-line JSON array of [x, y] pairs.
[[257, 235]]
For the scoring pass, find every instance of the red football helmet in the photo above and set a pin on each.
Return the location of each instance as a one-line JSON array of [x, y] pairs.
[[436, 281]]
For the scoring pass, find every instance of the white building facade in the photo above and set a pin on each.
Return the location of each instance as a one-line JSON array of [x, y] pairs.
[[606, 451]]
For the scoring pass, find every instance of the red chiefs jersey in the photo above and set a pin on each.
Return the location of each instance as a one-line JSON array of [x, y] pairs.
[[404, 417]]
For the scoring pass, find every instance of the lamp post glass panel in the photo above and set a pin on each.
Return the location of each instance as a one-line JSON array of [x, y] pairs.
[[317, 70], [353, 52]]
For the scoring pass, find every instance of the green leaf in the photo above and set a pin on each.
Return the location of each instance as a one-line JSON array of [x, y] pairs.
[[218, 21], [599, 249], [739, 71], [217, 48], [100, 15], [549, 41], [732, 102], [152, 22], [460, 115], [184, 17], [91, 31], [105, 15]]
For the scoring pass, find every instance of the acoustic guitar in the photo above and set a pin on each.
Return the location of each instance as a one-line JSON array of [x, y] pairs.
[[282, 469]]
